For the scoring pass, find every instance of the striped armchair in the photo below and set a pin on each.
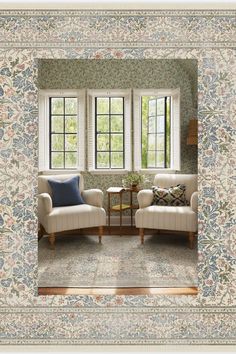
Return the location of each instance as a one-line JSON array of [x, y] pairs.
[[177, 218], [54, 220]]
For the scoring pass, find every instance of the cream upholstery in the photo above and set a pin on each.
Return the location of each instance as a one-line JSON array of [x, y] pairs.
[[72, 217], [177, 218]]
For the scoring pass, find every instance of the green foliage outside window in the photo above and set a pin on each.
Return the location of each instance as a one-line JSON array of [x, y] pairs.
[[109, 132], [152, 112], [64, 137]]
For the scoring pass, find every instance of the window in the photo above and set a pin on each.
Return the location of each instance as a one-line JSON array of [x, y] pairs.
[[109, 134], [156, 130], [61, 130]]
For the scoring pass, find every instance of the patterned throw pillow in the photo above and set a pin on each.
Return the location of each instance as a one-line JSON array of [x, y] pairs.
[[173, 196]]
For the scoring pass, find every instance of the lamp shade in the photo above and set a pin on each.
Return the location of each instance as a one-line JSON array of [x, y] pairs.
[[192, 132]]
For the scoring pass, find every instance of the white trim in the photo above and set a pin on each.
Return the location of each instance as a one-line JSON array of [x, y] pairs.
[[91, 94], [156, 170], [175, 131], [108, 171], [43, 137], [60, 172], [81, 133], [175, 128]]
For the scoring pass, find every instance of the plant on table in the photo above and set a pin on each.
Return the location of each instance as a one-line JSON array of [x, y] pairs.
[[133, 179]]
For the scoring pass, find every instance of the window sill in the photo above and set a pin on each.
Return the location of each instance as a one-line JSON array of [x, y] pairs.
[[108, 172], [59, 172], [155, 171]]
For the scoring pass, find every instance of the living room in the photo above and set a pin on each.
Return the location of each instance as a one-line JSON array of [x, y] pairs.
[[124, 126]]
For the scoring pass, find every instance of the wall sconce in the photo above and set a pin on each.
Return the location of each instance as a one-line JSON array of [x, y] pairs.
[[192, 132]]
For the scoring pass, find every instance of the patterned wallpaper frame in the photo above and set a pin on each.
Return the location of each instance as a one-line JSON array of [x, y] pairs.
[[210, 317]]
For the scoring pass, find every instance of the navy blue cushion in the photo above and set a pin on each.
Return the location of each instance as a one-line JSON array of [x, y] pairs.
[[66, 192]]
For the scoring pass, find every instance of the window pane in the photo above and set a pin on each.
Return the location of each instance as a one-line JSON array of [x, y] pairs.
[[152, 108], [70, 142], [70, 159], [71, 105], [117, 124], [151, 159], [151, 141], [102, 124], [57, 124], [151, 124], [103, 142], [160, 106], [71, 124], [160, 124], [102, 105], [116, 105], [57, 142], [57, 105], [160, 159], [103, 160], [160, 142], [117, 142], [57, 160], [117, 160]]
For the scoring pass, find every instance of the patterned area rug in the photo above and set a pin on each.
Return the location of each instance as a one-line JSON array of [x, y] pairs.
[[80, 261]]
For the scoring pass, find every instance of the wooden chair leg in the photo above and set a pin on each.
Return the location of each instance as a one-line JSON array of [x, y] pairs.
[[191, 239], [52, 238], [100, 233], [141, 233]]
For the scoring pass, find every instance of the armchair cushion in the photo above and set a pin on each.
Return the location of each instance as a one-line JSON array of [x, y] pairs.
[[65, 193], [172, 196]]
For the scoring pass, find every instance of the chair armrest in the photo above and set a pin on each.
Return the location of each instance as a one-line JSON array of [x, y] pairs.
[[145, 198], [93, 197], [46, 201], [194, 201]]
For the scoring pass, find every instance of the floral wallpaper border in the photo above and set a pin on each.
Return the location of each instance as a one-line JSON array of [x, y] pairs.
[[210, 317]]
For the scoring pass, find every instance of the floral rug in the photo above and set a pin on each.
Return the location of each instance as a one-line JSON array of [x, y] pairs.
[[80, 261]]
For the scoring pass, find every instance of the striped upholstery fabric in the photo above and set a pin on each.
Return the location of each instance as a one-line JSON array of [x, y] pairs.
[[178, 218], [72, 217]]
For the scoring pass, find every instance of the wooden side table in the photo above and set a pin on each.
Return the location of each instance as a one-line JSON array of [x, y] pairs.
[[120, 207]]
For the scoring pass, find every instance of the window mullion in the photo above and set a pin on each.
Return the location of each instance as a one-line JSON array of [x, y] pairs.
[[156, 133], [165, 111], [110, 132], [64, 129]]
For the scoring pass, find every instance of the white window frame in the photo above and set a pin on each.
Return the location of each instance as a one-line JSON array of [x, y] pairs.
[[175, 162], [43, 137], [91, 95]]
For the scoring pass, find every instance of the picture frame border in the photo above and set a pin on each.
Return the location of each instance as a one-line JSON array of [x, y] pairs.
[[208, 318]]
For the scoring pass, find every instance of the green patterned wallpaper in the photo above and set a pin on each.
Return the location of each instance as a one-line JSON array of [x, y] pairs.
[[128, 73]]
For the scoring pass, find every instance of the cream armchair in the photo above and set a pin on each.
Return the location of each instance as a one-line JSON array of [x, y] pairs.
[[177, 218], [57, 219]]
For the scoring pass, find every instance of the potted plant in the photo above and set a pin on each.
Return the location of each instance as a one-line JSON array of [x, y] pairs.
[[133, 179]]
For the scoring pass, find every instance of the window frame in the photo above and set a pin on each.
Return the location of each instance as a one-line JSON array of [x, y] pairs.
[[175, 142], [44, 136], [92, 149]]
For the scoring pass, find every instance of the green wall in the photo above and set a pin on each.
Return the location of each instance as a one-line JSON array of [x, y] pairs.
[[122, 74]]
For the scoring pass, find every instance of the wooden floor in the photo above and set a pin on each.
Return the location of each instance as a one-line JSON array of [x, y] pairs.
[[117, 291]]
